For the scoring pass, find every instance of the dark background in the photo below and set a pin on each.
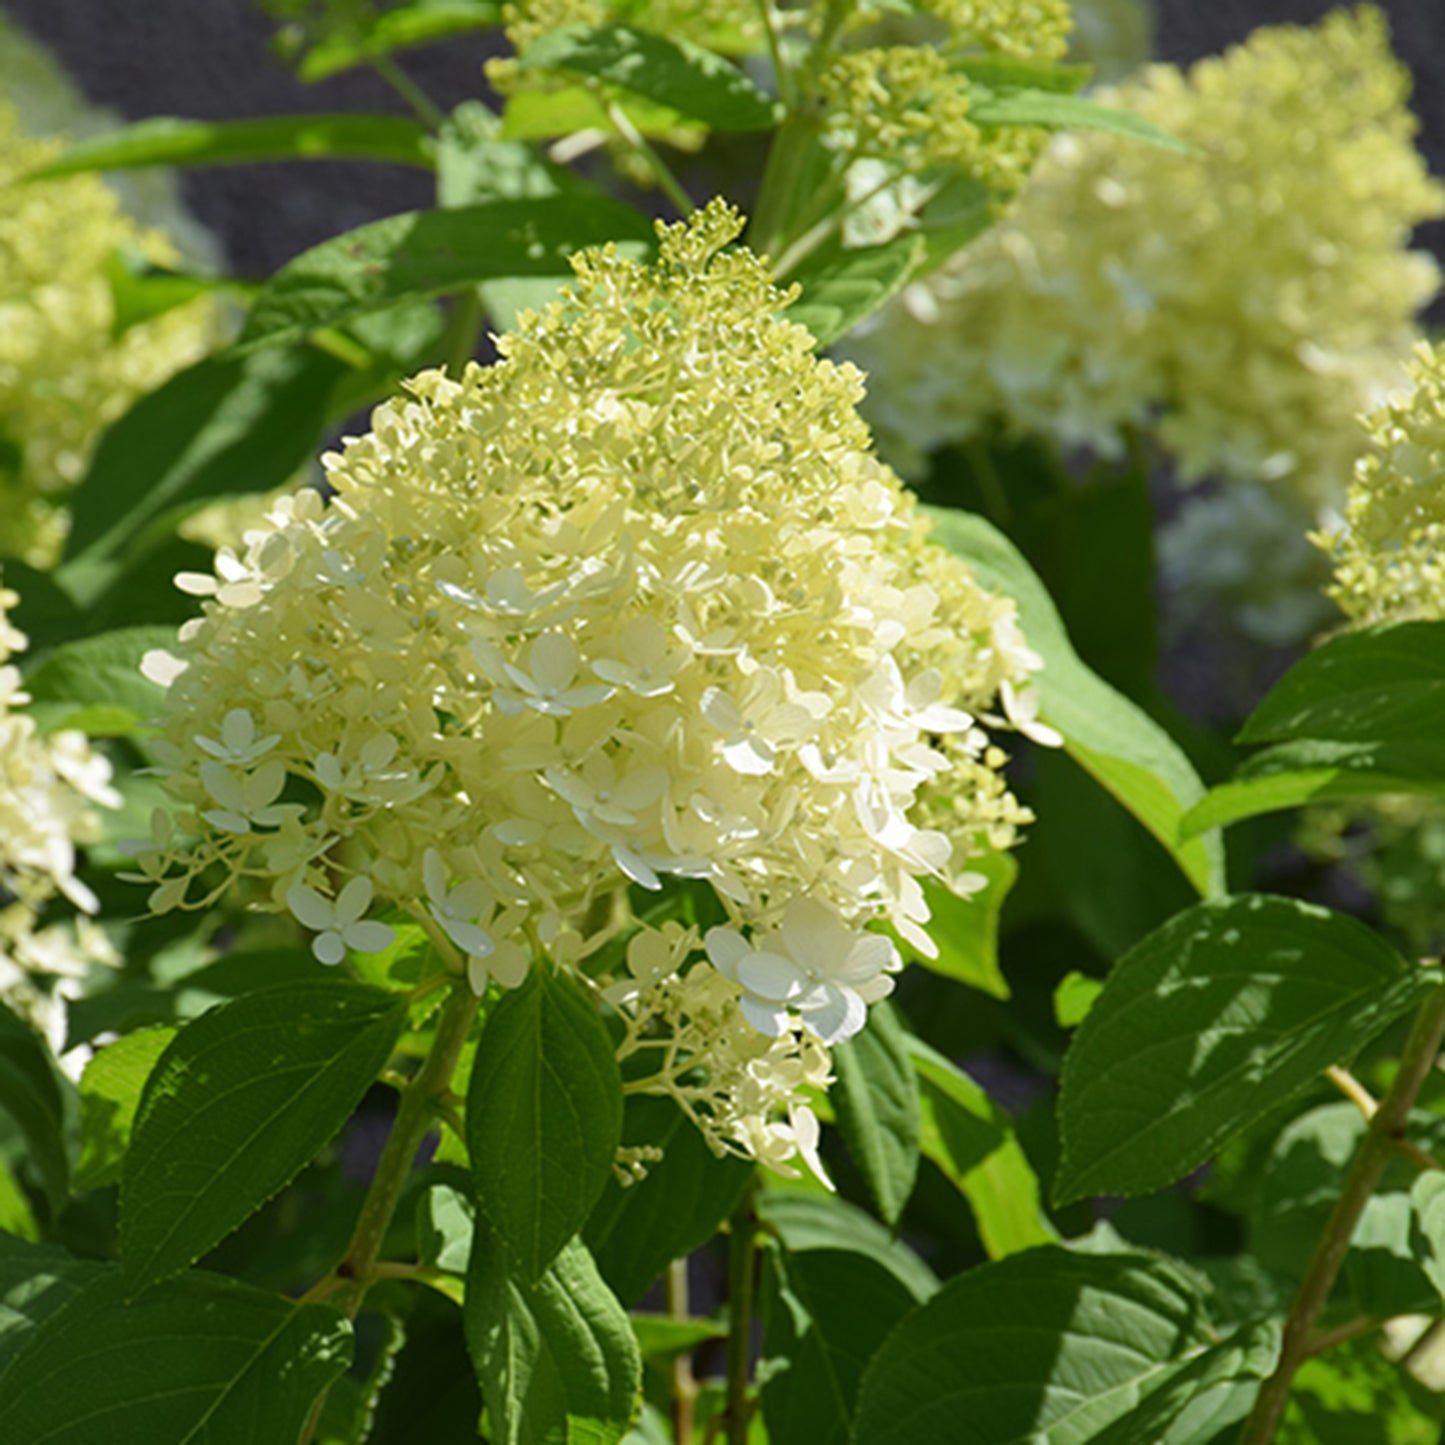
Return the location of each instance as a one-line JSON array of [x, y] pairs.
[[209, 59]]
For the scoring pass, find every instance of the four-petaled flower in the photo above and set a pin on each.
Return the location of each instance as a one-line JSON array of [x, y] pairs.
[[238, 745], [341, 924], [755, 727]]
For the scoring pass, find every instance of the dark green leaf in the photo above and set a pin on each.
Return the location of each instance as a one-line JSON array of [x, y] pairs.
[[36, 1280], [1128, 753], [169, 142], [1230, 1009], [556, 1359], [544, 1116], [1380, 684], [805, 1222], [240, 1101], [383, 32], [876, 1099], [1050, 1346], [841, 287], [1214, 1391], [200, 1358], [972, 1141], [1355, 1394], [966, 929], [110, 1091], [30, 1094], [675, 73], [429, 253], [95, 684], [1055, 111], [661, 1337], [224, 427], [636, 1230]]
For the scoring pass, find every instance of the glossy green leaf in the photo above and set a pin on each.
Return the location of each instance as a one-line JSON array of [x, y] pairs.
[[169, 142], [556, 1359], [1049, 1346], [1124, 749], [635, 1231], [419, 254], [110, 1092], [544, 1117], [1232, 1008], [1212, 1392], [1381, 684], [876, 1101], [966, 929], [376, 33], [841, 287], [972, 1141], [675, 73], [1056, 111], [95, 683], [223, 427], [240, 1101], [30, 1095], [200, 1358], [1292, 774]]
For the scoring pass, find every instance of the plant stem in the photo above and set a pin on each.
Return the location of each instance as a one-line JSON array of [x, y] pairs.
[[742, 1267], [1386, 1125], [427, 111], [778, 190], [459, 341], [684, 1385], [646, 152]]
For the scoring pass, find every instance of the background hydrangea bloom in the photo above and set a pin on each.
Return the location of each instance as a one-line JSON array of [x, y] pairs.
[[637, 602], [1246, 300], [48, 786]]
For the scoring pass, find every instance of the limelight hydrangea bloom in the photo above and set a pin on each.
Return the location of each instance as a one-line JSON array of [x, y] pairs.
[[1390, 553], [47, 788], [1245, 301], [637, 602], [64, 376]]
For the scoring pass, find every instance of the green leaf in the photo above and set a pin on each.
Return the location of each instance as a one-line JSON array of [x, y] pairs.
[[1214, 1391], [804, 1222], [419, 254], [547, 113], [36, 1280], [169, 142], [841, 287], [556, 1359], [1427, 1198], [377, 33], [445, 1221], [200, 1358], [476, 163], [1055, 111], [1380, 684], [30, 1094], [661, 1337], [676, 73], [239, 1103], [1003, 72], [544, 1116], [1292, 774], [95, 684], [966, 929], [1354, 1394], [973, 1142], [1230, 1009], [1074, 997], [1050, 1346], [876, 1099], [140, 290], [825, 1311], [1124, 749], [110, 1092], [636, 1230], [224, 427]]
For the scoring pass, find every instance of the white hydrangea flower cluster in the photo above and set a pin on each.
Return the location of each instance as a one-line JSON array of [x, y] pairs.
[[1244, 301], [48, 786], [635, 602]]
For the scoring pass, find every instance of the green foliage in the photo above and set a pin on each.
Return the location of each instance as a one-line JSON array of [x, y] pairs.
[[841, 286], [110, 1094], [30, 1094], [241, 1100], [544, 1118]]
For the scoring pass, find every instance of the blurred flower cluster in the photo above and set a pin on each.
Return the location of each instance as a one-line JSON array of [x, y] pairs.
[[635, 603], [48, 785]]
